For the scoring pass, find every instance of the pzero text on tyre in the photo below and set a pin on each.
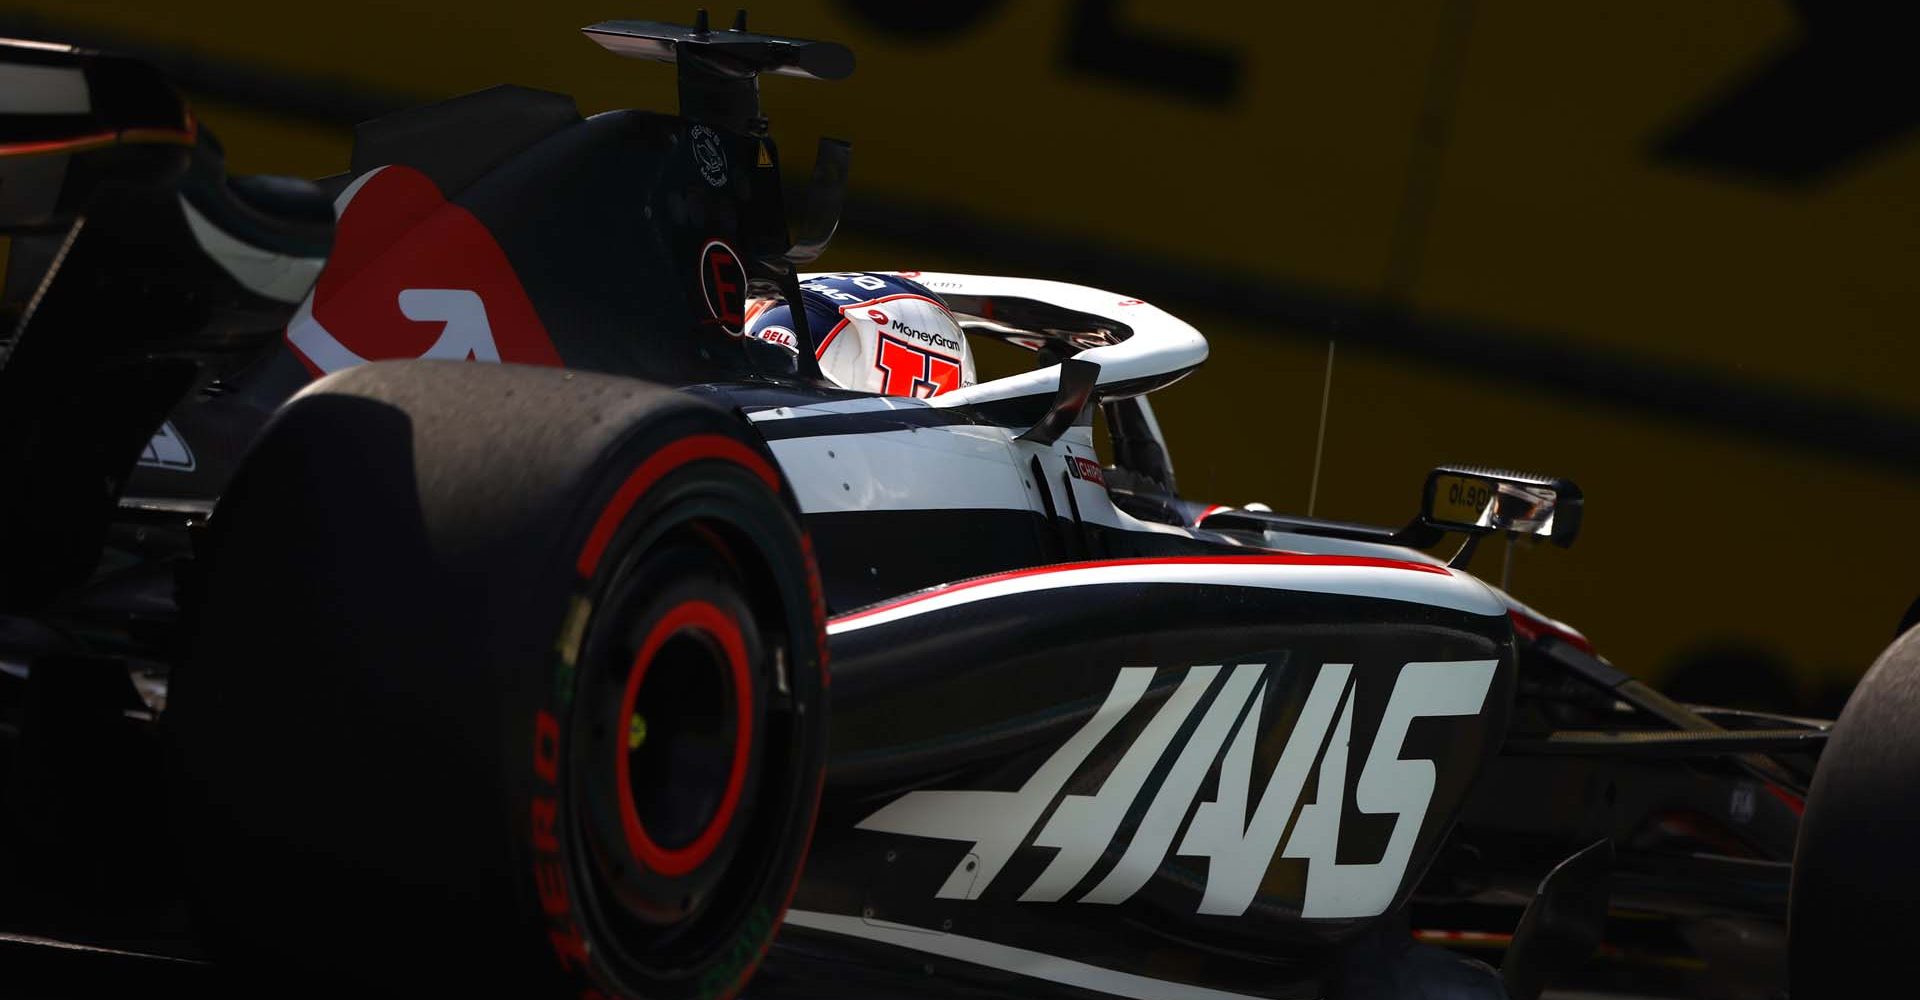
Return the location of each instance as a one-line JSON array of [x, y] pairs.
[[505, 675]]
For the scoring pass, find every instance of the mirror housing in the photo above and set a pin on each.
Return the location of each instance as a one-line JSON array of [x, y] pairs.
[[1077, 379], [1479, 500]]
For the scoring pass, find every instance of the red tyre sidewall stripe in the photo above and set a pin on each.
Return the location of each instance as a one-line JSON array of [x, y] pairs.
[[652, 470], [688, 449], [706, 619]]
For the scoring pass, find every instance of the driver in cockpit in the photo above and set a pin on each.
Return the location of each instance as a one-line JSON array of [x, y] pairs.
[[873, 332]]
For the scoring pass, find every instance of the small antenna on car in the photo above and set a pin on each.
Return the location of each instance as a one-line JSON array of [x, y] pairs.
[[1320, 442]]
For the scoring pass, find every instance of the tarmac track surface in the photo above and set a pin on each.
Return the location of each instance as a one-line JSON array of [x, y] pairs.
[[42, 968]]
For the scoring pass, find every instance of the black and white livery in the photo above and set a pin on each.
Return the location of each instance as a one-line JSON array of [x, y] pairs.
[[485, 580]]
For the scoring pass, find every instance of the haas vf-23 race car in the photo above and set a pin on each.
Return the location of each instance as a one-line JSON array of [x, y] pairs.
[[666, 657]]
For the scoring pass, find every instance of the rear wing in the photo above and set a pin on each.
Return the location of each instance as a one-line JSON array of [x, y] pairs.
[[735, 50], [719, 84]]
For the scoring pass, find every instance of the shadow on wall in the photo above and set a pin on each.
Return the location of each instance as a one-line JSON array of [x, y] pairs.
[[1741, 675]]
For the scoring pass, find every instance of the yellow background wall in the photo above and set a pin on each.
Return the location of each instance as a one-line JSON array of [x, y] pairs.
[[1492, 165]]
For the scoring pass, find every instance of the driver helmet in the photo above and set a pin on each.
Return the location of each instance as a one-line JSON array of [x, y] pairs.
[[873, 332]]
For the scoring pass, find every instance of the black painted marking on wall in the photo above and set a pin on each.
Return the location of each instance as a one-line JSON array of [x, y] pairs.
[[1099, 43], [1542, 360], [1846, 89]]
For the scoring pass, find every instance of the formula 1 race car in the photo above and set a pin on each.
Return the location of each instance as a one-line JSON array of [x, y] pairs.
[[650, 662]]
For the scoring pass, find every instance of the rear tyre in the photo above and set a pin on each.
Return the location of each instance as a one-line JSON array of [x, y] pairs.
[[502, 676], [1855, 907]]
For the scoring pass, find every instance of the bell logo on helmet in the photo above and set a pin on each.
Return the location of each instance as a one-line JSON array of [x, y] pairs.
[[779, 335]]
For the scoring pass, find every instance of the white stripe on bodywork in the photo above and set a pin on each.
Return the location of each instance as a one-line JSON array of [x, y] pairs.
[[167, 450], [1154, 837], [928, 468], [1022, 961], [1454, 591], [320, 347], [1287, 541], [346, 194], [304, 333], [836, 407], [819, 468], [278, 276], [1239, 846], [997, 822], [1083, 825], [43, 90], [943, 468]]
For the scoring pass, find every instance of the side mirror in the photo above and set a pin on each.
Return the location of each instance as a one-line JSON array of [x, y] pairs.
[[1077, 379], [1480, 501]]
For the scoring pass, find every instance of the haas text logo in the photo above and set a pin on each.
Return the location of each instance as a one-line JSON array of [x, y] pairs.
[[1237, 832]]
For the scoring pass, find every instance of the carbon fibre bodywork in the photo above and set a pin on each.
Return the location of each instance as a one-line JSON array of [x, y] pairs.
[[983, 695], [1088, 736]]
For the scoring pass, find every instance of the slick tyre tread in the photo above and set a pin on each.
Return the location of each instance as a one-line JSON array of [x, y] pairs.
[[422, 585], [1856, 880]]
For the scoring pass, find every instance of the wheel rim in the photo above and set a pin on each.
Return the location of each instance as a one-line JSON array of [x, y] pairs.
[[682, 755], [683, 614]]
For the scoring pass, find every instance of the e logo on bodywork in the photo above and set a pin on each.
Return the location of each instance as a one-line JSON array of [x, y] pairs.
[[723, 283]]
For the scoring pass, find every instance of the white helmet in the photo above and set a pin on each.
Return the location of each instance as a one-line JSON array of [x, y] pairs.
[[877, 333]]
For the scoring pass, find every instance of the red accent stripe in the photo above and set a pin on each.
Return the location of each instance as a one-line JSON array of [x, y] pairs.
[[1209, 512], [1289, 559], [313, 370], [688, 449], [1530, 628], [1792, 801], [689, 616], [96, 140], [74, 145], [821, 351], [1493, 938]]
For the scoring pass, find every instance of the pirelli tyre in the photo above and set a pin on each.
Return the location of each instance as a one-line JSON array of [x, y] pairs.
[[502, 677], [1855, 903]]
